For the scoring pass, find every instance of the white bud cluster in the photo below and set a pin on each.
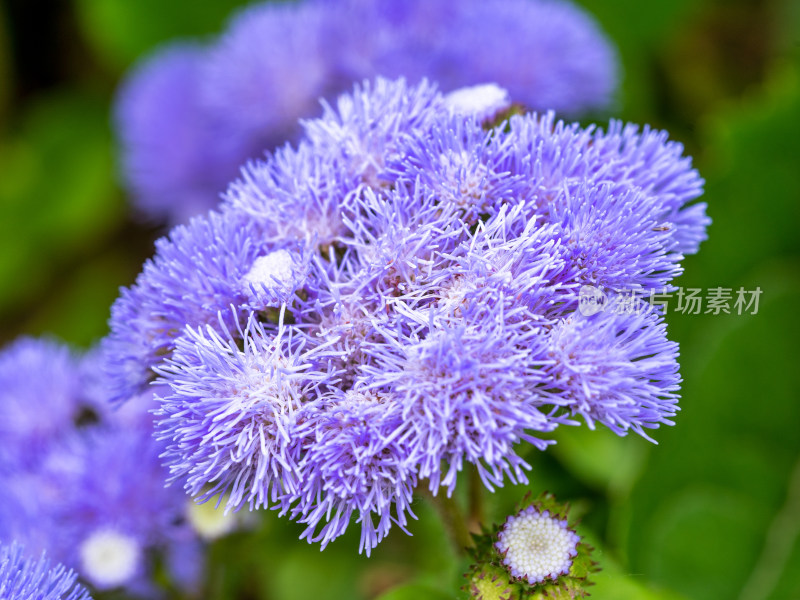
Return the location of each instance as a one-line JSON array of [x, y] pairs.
[[536, 546]]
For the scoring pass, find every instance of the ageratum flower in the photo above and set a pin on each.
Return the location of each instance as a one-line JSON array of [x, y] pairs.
[[190, 114], [173, 153], [533, 554], [398, 296], [197, 273], [568, 64], [22, 578], [97, 503]]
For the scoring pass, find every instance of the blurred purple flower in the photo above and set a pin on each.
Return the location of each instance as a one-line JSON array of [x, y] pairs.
[[189, 115], [93, 496], [42, 398]]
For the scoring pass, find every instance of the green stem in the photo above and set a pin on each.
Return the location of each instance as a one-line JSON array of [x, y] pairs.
[[476, 501], [453, 518]]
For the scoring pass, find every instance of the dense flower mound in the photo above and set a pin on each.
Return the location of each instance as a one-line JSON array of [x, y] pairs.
[[190, 114], [82, 482], [397, 296], [22, 578]]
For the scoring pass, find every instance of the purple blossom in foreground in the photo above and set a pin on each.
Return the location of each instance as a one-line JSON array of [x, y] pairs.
[[617, 369], [22, 578], [396, 298], [190, 115], [230, 415], [197, 272], [357, 459]]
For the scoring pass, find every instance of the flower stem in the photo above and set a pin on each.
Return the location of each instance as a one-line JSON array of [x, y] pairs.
[[476, 502], [453, 518]]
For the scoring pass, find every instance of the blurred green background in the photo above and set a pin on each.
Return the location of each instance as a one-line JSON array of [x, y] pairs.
[[712, 512]]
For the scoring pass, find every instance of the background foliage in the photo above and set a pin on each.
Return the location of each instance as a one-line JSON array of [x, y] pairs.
[[712, 512]]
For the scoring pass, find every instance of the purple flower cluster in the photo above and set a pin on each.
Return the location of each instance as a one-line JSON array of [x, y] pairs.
[[397, 296], [190, 115], [80, 481], [22, 578]]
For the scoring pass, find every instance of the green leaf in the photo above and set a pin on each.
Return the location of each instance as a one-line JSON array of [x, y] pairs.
[[121, 31], [600, 458], [57, 193], [415, 592]]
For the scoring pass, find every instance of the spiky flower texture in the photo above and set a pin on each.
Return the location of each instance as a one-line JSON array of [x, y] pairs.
[[396, 297], [24, 578]]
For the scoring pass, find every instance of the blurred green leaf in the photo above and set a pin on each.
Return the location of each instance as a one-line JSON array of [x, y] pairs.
[[612, 583], [415, 592], [713, 489], [702, 509], [57, 193], [602, 459], [121, 30], [637, 29]]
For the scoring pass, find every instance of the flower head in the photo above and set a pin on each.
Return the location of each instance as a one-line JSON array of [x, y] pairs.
[[110, 558], [398, 296], [94, 497], [42, 399], [198, 272], [359, 459], [229, 413], [173, 160]]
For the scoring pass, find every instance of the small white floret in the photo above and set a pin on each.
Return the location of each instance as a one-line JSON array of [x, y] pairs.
[[109, 558], [275, 267], [481, 101]]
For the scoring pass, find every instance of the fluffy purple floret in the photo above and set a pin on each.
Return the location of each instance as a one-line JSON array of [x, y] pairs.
[[229, 414], [617, 369], [97, 481], [358, 458], [23, 578], [198, 272]]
